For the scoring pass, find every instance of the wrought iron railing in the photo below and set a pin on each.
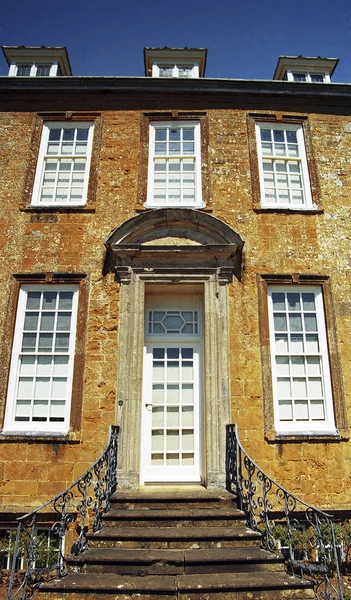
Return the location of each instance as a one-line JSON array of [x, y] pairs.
[[284, 520], [77, 511]]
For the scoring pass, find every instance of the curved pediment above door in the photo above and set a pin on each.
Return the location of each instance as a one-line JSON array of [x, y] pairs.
[[175, 244]]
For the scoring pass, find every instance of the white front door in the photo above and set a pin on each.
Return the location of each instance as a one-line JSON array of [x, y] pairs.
[[171, 434]]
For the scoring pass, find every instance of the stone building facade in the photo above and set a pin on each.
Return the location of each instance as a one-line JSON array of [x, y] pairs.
[[174, 248]]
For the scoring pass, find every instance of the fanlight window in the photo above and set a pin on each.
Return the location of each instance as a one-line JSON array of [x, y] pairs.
[[173, 322]]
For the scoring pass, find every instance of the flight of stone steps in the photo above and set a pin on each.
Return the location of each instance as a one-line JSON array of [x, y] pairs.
[[176, 543]]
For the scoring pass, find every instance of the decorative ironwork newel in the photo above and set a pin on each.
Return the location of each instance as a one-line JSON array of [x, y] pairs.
[[304, 534], [78, 510]]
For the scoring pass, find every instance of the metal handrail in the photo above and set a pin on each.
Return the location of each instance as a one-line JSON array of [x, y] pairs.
[[82, 504], [271, 509]]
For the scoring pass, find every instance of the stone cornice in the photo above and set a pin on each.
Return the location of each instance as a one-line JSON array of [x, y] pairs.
[[117, 93]]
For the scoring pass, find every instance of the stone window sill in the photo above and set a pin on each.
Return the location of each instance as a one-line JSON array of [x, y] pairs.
[[73, 437], [90, 208], [340, 435]]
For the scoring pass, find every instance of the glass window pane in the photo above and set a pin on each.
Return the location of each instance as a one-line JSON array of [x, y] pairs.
[[317, 410], [42, 387], [187, 393], [308, 301], [158, 352], [297, 365], [295, 322], [187, 416], [47, 321], [63, 321], [157, 440], [157, 416], [172, 440], [27, 365], [62, 342], [280, 323], [300, 387], [266, 135], [173, 371], [281, 344], [59, 387], [49, 300], [160, 134], [278, 300], [310, 322], [45, 342], [157, 393], [31, 321], [173, 416], [315, 387], [25, 386], [172, 394], [282, 366], [313, 365], [284, 387], [285, 410], [40, 410], [188, 440], [57, 410], [293, 302], [29, 342], [312, 344], [301, 410], [44, 365], [33, 300]]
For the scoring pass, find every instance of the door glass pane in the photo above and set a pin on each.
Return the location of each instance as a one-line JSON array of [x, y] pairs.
[[173, 417], [173, 394], [157, 416], [188, 440], [157, 393], [172, 440], [187, 416], [157, 440]]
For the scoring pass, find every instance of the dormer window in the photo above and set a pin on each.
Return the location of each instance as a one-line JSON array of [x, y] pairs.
[[178, 63], [37, 61], [305, 69]]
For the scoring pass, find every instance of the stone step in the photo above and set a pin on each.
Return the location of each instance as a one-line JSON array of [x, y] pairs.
[[154, 497], [174, 537], [261, 586], [175, 562], [181, 517]]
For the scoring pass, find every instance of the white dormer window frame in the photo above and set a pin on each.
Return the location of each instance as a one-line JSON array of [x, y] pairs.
[[174, 170], [175, 68], [33, 68], [291, 75]]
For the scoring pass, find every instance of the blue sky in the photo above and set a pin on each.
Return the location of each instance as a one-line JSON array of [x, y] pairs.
[[244, 39]]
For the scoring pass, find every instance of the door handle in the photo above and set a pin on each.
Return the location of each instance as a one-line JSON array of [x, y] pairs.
[[148, 405]]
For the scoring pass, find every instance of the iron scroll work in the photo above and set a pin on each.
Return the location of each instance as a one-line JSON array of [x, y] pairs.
[[277, 513], [76, 512]]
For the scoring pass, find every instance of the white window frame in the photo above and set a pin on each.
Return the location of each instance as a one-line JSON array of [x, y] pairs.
[[44, 156], [151, 202], [290, 75], [324, 426], [10, 424], [301, 160], [156, 68], [54, 68]]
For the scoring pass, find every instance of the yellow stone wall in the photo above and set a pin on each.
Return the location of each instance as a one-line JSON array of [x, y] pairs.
[[275, 242]]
